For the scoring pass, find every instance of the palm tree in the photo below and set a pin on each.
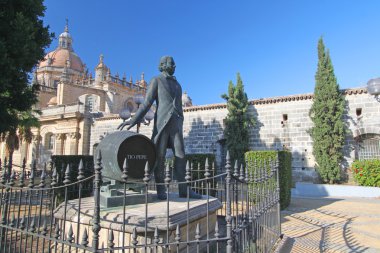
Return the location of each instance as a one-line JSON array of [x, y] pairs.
[[14, 137]]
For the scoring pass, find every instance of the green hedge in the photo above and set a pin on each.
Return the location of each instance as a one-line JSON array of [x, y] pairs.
[[61, 162], [367, 172], [197, 160], [285, 167], [198, 163], [198, 170]]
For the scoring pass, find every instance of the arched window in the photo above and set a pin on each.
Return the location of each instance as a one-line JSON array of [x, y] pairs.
[[368, 147], [49, 141], [90, 103], [94, 147], [129, 104]]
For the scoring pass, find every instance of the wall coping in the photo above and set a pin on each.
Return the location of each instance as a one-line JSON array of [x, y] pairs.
[[108, 117], [272, 100]]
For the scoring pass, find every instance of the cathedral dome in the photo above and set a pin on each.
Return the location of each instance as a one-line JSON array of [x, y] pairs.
[[64, 54], [60, 57], [65, 34]]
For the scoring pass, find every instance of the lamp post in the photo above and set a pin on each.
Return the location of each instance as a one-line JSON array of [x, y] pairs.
[[139, 99], [125, 114], [373, 88]]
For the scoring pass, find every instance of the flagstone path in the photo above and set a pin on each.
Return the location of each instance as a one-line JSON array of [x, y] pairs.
[[331, 225]]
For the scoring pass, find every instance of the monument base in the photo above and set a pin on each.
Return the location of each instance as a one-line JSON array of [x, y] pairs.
[[158, 216], [115, 198]]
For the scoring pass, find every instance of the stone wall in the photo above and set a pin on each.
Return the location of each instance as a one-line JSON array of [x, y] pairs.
[[68, 93], [281, 123]]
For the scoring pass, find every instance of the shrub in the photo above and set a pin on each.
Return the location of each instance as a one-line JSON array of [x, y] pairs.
[[198, 164], [285, 169], [367, 172], [61, 162], [198, 171]]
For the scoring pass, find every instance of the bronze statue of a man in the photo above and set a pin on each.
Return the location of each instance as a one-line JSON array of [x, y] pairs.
[[168, 124]]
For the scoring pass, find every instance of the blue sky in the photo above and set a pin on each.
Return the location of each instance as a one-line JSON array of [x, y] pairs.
[[273, 44]]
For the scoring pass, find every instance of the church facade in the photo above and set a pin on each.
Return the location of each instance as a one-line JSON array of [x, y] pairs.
[[70, 98]]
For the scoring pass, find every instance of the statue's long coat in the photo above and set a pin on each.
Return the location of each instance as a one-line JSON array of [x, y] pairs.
[[167, 93]]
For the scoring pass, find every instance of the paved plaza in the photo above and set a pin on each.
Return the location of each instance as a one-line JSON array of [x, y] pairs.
[[331, 225]]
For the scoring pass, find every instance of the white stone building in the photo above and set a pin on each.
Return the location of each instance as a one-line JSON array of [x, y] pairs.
[[69, 99]]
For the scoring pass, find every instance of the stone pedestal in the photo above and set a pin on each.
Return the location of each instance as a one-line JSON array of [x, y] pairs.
[[112, 218], [112, 195]]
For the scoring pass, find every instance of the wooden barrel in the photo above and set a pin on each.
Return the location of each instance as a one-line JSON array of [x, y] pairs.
[[120, 145]]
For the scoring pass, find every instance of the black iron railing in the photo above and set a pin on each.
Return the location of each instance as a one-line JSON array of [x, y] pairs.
[[238, 212]]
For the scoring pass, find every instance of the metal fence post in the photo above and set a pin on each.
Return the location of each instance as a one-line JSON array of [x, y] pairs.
[[96, 218], [249, 199], [277, 168], [228, 205]]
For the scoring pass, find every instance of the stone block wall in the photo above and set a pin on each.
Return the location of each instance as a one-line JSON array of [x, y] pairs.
[[281, 123]]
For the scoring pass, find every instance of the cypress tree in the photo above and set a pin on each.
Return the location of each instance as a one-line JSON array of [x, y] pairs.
[[326, 113], [237, 122]]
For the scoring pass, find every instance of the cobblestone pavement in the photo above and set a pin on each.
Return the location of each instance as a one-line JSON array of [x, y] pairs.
[[331, 225]]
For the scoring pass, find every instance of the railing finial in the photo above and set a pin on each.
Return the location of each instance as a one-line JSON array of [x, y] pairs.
[[241, 176], [207, 169], [236, 169], [125, 170], [84, 241], [188, 173], [67, 175], [146, 173], [177, 234], [167, 174], [80, 171], [156, 239]]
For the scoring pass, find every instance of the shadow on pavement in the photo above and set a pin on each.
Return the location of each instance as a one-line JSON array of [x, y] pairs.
[[330, 225]]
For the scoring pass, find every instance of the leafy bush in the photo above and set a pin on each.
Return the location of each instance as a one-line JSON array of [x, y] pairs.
[[367, 172], [197, 162], [61, 162], [285, 168]]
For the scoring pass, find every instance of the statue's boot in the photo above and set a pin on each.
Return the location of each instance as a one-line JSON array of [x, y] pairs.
[[180, 164], [183, 192], [161, 189], [161, 192]]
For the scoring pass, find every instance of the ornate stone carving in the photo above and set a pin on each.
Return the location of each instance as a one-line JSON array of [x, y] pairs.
[[61, 136], [75, 135], [37, 138]]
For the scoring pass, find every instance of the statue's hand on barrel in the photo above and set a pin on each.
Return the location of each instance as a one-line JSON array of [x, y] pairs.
[[125, 123]]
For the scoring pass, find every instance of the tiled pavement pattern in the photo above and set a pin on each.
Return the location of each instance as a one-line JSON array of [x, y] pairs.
[[331, 225]]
